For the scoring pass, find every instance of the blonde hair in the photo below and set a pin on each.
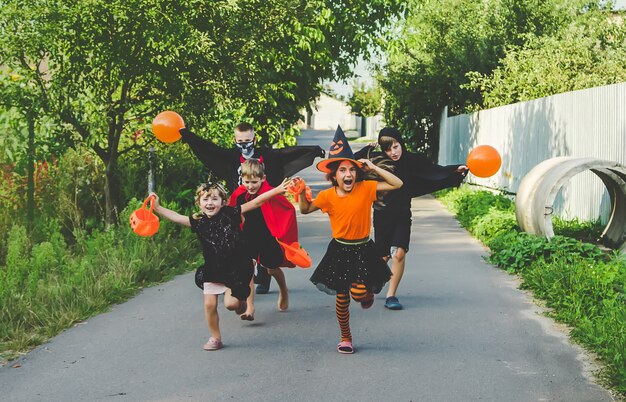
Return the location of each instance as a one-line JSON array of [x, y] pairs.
[[253, 168], [209, 188]]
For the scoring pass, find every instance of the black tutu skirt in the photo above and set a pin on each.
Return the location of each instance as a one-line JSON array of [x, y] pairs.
[[237, 279], [345, 264]]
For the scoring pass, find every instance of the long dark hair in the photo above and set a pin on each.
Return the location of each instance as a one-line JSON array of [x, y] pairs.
[[381, 160]]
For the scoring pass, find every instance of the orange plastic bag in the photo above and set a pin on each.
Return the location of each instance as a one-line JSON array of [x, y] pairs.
[[296, 188], [143, 221], [296, 254]]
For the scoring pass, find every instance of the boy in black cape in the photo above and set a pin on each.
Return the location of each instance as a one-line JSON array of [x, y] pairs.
[[392, 218]]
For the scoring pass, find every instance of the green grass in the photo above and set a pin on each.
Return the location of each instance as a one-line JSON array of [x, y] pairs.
[[48, 287]]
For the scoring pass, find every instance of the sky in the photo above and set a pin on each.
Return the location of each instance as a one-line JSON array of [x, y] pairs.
[[620, 4], [362, 75]]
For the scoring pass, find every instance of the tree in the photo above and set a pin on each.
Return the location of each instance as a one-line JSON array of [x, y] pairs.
[[20, 99], [104, 68], [588, 52], [365, 103], [439, 43]]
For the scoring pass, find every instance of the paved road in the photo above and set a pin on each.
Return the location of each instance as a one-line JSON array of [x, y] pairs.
[[466, 334]]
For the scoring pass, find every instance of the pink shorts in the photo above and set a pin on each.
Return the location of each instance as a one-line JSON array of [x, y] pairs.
[[213, 288]]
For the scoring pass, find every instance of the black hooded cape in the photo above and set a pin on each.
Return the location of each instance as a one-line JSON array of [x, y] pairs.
[[225, 162], [419, 175]]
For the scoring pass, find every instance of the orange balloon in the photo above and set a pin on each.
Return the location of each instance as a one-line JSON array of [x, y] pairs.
[[484, 161], [166, 124]]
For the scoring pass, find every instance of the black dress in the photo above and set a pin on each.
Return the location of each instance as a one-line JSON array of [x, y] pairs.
[[225, 259]]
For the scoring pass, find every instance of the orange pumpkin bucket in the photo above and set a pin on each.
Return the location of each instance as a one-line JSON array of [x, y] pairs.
[[296, 188], [143, 221], [296, 254]]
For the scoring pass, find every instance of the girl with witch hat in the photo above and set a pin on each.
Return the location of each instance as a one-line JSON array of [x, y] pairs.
[[351, 265]]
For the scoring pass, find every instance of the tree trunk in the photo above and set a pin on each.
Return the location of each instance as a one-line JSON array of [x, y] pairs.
[[111, 193], [30, 192]]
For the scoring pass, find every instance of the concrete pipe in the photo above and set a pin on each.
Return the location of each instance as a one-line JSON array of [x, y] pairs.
[[538, 189]]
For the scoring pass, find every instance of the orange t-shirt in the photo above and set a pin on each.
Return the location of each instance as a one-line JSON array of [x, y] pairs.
[[350, 216]]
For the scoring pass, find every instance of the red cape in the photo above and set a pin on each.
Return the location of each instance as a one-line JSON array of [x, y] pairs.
[[279, 215]]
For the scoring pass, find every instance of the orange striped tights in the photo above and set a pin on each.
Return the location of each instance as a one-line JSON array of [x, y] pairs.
[[358, 291]]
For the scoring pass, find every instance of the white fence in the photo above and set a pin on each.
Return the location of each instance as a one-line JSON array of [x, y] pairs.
[[586, 123]]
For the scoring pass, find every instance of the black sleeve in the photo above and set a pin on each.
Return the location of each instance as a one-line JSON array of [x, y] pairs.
[[290, 160], [363, 153], [220, 161], [233, 213], [194, 223], [426, 177]]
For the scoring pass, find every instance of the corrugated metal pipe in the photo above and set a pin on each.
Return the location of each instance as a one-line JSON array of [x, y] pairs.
[[537, 191]]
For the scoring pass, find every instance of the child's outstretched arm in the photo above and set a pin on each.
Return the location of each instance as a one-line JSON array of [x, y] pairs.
[[306, 206], [391, 181], [169, 214], [262, 198]]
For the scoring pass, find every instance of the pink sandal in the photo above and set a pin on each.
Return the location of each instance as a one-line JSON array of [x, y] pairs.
[[213, 344], [345, 347]]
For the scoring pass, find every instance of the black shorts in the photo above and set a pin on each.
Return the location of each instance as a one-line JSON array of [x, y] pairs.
[[266, 251], [391, 232]]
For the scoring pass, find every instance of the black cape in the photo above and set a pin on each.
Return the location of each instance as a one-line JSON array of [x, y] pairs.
[[419, 176], [225, 162]]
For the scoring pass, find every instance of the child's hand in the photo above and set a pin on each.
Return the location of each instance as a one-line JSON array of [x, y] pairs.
[[367, 164], [283, 187], [373, 144], [298, 187], [155, 200]]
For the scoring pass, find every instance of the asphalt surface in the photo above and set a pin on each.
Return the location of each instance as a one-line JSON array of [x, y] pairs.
[[466, 334]]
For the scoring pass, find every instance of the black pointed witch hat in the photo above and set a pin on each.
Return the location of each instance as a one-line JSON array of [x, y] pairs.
[[339, 151]]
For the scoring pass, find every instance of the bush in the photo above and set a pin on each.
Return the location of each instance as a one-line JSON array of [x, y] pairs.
[[47, 287], [469, 205], [494, 223], [518, 251], [590, 296], [588, 232], [173, 165]]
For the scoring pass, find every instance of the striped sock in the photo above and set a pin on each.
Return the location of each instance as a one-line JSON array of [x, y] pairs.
[[342, 308], [359, 292]]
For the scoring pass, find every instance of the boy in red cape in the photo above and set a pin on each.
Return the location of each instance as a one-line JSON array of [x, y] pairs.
[[225, 164], [276, 219]]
